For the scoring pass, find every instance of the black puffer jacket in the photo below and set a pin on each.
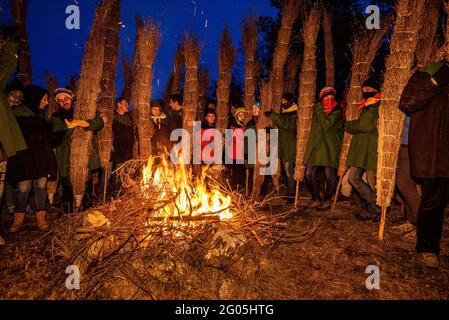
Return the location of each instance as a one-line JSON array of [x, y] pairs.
[[428, 105], [38, 160]]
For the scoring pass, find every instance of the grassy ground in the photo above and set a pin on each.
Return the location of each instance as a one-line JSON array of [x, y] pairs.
[[329, 265]]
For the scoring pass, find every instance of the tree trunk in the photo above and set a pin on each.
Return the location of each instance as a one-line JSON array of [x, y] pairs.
[[250, 34], [399, 64], [19, 10], [226, 60], [106, 101], [364, 49], [192, 59], [290, 12], [307, 88], [86, 106], [147, 44], [329, 47]]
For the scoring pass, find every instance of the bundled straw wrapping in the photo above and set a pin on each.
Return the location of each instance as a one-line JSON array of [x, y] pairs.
[[147, 44], [192, 54], [398, 71], [250, 34], [107, 94], [88, 91], [19, 9], [364, 49], [289, 13], [226, 60], [307, 88], [52, 84], [329, 47], [292, 73], [177, 70]]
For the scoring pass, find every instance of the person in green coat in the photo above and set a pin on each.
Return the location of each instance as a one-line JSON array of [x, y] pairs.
[[11, 138], [286, 123], [362, 156], [323, 147], [63, 123]]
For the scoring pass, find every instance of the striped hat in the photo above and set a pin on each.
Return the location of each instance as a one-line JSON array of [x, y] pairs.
[[64, 91], [328, 91]]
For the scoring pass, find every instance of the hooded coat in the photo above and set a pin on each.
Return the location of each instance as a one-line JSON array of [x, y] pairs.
[[428, 141], [325, 138], [38, 161], [11, 138]]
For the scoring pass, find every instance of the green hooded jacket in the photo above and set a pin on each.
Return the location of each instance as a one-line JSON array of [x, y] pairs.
[[363, 149], [325, 138], [11, 138], [286, 124], [63, 150]]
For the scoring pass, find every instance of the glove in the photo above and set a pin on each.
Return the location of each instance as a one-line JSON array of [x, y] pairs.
[[442, 76], [268, 113]]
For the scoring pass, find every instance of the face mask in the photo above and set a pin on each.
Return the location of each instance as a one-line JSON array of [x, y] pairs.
[[329, 105], [367, 95]]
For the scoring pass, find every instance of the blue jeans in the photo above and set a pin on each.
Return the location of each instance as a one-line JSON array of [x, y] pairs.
[[289, 167], [366, 190], [23, 191]]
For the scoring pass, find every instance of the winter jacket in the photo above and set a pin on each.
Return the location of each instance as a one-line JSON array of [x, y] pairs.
[[160, 141], [11, 138], [363, 149], [63, 150], [122, 139], [325, 138], [38, 161], [428, 141], [286, 122]]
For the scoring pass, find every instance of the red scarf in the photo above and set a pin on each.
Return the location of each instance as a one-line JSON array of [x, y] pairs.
[[329, 106], [370, 101]]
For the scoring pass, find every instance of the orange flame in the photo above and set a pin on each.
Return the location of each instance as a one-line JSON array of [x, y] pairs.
[[191, 197]]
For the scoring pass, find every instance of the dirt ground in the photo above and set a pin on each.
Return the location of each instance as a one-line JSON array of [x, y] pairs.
[[329, 265]]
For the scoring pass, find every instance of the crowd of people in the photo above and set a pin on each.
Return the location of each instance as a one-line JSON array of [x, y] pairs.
[[35, 148]]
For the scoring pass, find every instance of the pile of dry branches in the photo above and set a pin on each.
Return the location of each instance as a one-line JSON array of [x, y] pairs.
[[125, 250]]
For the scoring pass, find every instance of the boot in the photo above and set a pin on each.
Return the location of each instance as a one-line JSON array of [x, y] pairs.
[[18, 222], [40, 220]]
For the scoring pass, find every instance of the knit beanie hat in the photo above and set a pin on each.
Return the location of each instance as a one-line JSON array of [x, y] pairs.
[[372, 83], [328, 91]]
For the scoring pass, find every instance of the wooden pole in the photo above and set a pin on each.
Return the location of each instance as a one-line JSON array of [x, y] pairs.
[[296, 195], [337, 192], [382, 223]]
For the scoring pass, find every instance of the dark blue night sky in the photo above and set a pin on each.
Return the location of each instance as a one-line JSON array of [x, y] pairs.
[[57, 50]]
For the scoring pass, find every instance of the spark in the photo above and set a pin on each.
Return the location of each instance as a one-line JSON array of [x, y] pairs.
[[205, 25]]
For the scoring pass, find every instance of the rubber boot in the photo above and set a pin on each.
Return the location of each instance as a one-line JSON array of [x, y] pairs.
[[18, 222], [40, 220]]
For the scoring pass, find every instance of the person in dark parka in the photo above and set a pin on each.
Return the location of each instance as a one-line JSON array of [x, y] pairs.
[[122, 141], [36, 165], [426, 99]]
